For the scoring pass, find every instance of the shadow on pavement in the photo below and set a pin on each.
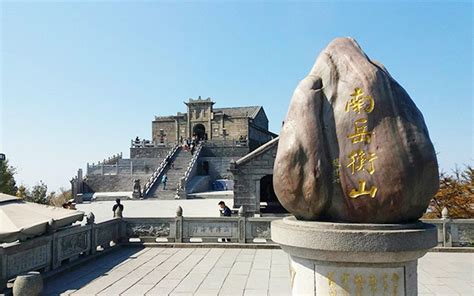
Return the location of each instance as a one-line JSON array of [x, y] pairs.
[[85, 273]]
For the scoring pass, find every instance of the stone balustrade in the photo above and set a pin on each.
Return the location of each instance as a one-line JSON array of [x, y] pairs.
[[109, 160], [228, 142], [50, 251], [454, 232], [74, 243], [121, 167], [159, 171], [191, 170], [199, 230], [141, 143]]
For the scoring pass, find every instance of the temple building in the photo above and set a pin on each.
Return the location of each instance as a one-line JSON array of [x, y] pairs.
[[205, 122], [206, 149]]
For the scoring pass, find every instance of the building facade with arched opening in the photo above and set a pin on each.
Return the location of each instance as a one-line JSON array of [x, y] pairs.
[[248, 124], [253, 181]]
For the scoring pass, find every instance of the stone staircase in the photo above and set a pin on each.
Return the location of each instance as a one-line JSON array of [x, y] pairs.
[[181, 162]]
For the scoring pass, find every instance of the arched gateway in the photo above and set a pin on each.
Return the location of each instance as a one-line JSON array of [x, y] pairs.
[[199, 130]]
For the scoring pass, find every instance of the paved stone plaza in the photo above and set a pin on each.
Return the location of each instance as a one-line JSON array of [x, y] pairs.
[[155, 208], [219, 271]]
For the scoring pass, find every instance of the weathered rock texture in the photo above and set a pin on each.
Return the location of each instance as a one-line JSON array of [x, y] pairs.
[[398, 159]]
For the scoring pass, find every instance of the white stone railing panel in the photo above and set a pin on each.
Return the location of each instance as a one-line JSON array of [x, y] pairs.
[[149, 229], [210, 229], [20, 257], [106, 233], [259, 228], [70, 243]]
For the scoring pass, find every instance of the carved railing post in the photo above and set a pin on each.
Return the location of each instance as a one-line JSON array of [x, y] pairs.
[[3, 269], [447, 242], [241, 225], [179, 225], [90, 219]]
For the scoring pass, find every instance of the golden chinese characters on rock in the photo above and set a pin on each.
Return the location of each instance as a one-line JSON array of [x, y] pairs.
[[361, 160]]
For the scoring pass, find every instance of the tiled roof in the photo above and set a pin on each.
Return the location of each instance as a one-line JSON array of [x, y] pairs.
[[250, 111]]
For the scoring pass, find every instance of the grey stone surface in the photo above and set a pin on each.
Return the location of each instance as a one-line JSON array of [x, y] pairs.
[[136, 271], [180, 163], [30, 284], [112, 183], [344, 242], [149, 152], [360, 259], [354, 147], [248, 172]]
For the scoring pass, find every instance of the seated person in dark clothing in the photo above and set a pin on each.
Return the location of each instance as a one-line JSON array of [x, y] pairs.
[[225, 211]]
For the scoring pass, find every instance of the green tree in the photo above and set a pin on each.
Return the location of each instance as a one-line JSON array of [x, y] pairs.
[[38, 193], [7, 180]]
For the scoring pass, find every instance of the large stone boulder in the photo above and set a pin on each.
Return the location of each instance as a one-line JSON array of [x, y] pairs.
[[354, 147]]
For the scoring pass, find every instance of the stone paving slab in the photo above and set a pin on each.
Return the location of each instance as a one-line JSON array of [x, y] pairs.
[[219, 271]]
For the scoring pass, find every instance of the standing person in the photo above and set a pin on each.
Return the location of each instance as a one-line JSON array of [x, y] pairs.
[[117, 209], [164, 179], [226, 212]]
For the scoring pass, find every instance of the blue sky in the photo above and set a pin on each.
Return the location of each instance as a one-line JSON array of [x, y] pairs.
[[80, 79]]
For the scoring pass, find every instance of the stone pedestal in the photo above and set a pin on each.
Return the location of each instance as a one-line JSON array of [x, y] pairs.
[[353, 259]]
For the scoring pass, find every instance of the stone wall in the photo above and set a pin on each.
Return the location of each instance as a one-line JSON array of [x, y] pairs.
[[224, 151], [149, 152], [112, 183], [169, 129], [218, 167], [247, 174], [258, 137], [235, 127]]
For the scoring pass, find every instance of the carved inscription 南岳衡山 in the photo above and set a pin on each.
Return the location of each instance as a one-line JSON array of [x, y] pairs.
[[359, 159], [154, 230]]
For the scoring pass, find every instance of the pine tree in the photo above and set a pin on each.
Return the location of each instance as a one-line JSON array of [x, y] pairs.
[[7, 180]]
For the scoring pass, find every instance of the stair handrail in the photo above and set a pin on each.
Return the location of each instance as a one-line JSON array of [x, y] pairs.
[[159, 171], [192, 163]]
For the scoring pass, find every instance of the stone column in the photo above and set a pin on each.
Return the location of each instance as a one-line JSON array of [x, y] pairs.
[[176, 130], [353, 259]]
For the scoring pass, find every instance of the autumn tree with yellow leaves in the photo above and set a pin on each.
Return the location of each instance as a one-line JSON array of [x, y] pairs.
[[456, 193]]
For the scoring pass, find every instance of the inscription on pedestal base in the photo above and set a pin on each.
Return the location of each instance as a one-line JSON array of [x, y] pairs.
[[335, 281]]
